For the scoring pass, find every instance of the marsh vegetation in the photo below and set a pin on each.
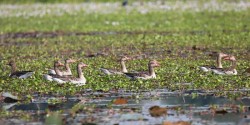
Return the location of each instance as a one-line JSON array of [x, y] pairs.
[[179, 35]]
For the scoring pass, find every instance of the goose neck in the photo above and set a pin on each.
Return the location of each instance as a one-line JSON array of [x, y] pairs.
[[57, 70], [151, 70], [13, 68], [79, 72], [233, 65], [123, 67], [218, 62], [67, 67]]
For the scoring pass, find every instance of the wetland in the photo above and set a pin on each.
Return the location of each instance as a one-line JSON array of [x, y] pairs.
[[180, 35]]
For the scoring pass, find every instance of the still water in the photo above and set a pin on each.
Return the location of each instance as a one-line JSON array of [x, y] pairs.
[[193, 106]]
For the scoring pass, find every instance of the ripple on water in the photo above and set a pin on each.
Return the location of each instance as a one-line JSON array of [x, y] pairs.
[[201, 109]]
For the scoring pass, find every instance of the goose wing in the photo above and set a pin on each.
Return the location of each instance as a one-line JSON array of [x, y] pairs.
[[51, 72], [64, 73], [60, 79], [50, 76], [218, 71], [231, 72], [221, 71], [110, 71], [21, 74], [77, 81], [206, 68], [137, 75]]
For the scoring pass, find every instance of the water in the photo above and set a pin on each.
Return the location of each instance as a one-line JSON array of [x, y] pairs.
[[99, 108]]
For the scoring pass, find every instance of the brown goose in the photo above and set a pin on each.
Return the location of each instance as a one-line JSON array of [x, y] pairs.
[[80, 80], [123, 67], [18, 74], [145, 75], [49, 77], [227, 71], [219, 58], [67, 67]]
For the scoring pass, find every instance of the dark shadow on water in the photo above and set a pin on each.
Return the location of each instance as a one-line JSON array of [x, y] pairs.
[[37, 34], [203, 109], [43, 106]]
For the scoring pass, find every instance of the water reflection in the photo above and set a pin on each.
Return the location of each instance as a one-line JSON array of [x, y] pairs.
[[199, 109]]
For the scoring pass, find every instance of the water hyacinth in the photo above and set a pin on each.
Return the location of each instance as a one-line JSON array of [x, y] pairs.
[[181, 35]]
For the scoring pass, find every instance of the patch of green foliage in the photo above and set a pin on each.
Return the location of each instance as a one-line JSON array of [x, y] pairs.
[[80, 1], [165, 36], [212, 22], [50, 1]]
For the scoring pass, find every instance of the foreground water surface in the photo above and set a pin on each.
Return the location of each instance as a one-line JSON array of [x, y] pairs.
[[127, 107]]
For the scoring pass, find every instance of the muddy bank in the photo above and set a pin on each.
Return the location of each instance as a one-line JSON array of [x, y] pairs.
[[40, 34]]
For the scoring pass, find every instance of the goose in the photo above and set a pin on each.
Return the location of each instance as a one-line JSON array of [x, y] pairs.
[[18, 74], [123, 67], [63, 73], [227, 71], [145, 75], [57, 64], [80, 80], [219, 58], [9, 98]]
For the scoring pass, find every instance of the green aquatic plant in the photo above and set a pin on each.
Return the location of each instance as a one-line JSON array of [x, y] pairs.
[[54, 118], [181, 46]]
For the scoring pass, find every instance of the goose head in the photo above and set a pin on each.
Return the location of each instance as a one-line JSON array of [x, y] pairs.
[[218, 54], [232, 69], [231, 58], [222, 55], [154, 63], [69, 60], [81, 64], [58, 63], [11, 63], [125, 58]]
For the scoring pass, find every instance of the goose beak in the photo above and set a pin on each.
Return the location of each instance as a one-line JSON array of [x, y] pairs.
[[226, 58], [85, 65], [73, 60], [157, 64], [223, 54], [128, 58], [60, 64], [124, 59], [232, 58]]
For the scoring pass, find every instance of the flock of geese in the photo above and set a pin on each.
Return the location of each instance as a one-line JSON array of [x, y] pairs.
[[218, 69], [65, 76]]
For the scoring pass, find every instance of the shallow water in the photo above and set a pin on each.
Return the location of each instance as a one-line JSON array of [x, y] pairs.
[[203, 108]]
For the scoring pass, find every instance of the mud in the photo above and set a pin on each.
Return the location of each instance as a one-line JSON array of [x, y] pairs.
[[38, 34]]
